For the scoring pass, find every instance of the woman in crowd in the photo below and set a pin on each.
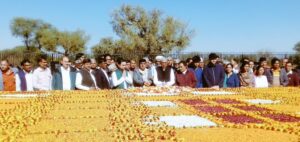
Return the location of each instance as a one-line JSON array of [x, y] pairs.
[[260, 79], [231, 79], [245, 76]]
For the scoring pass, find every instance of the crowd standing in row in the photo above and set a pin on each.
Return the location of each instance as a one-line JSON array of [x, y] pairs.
[[106, 73]]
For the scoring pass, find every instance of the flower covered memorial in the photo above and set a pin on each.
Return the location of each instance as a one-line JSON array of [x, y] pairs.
[[152, 114]]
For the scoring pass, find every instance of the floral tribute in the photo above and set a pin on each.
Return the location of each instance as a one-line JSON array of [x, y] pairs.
[[113, 115], [282, 117], [212, 109], [240, 119]]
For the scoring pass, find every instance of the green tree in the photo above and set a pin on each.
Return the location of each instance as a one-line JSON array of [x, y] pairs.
[[146, 32], [24, 28], [113, 47], [17, 54], [72, 42], [31, 30], [106, 46], [42, 32], [296, 57], [43, 36], [297, 47], [48, 39]]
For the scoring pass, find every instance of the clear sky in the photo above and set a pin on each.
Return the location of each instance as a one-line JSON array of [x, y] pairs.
[[220, 25]]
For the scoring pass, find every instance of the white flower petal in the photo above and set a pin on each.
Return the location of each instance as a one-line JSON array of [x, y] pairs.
[[186, 121], [213, 93], [159, 103], [262, 101], [156, 94]]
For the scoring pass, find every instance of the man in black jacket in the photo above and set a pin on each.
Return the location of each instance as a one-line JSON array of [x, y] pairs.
[[85, 79], [213, 73], [102, 79]]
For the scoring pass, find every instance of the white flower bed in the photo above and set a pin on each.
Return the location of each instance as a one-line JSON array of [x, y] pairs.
[[156, 94], [20, 96], [213, 93], [159, 103], [184, 121], [262, 101]]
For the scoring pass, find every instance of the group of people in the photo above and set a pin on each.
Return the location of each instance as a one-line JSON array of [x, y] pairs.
[[107, 73]]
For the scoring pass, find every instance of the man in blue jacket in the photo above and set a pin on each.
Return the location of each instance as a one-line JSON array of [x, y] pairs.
[[196, 67], [64, 77], [213, 73]]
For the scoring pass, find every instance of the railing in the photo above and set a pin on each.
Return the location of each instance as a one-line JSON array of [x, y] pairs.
[[17, 58]]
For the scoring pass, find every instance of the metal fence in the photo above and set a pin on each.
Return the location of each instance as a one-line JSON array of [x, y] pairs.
[[17, 58]]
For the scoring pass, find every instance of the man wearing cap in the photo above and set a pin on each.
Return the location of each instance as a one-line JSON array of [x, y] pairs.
[[176, 65], [170, 61], [164, 75], [213, 73], [158, 60], [94, 64]]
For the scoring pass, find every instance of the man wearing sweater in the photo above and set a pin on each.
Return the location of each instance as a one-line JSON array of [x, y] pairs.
[[185, 77]]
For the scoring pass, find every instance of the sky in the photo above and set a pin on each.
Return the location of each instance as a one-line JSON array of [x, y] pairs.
[[220, 25]]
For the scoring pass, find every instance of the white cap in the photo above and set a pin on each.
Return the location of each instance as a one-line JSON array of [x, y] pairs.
[[201, 59], [78, 61], [170, 58], [146, 58], [93, 60], [226, 62], [159, 58], [177, 61], [112, 67], [164, 59]]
